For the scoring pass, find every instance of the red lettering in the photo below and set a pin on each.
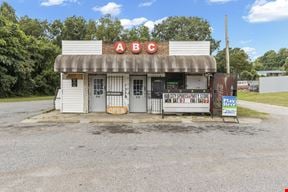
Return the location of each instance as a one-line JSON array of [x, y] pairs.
[[135, 47]]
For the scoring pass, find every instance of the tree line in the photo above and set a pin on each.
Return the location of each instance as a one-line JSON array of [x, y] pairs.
[[241, 64], [28, 47]]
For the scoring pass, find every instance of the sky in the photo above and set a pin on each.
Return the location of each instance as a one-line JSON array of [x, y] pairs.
[[256, 26]]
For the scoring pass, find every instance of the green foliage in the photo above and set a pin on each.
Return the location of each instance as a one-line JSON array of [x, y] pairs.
[[108, 29], [90, 30], [246, 75], [239, 61], [45, 80], [272, 60], [185, 28], [55, 32], [140, 33], [33, 27], [285, 66], [26, 56], [8, 12], [74, 28], [15, 67]]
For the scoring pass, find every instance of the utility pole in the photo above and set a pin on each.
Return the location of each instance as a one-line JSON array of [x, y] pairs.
[[227, 45]]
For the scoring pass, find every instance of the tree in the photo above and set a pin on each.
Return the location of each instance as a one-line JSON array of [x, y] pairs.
[[56, 32], [282, 56], [74, 28], [33, 27], [42, 54], [8, 12], [15, 66], [26, 56], [269, 60], [246, 75], [108, 29], [285, 66], [139, 33], [239, 61], [90, 30], [272, 60], [185, 28]]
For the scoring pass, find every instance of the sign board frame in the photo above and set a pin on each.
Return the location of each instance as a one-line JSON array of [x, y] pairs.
[[229, 107], [173, 102]]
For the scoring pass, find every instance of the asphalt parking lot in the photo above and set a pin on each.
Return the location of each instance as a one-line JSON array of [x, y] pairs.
[[141, 157]]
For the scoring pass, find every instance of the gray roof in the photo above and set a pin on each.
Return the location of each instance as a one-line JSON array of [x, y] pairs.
[[270, 71], [134, 63]]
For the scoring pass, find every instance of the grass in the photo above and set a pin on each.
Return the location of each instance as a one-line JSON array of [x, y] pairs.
[[280, 99], [32, 98], [244, 112]]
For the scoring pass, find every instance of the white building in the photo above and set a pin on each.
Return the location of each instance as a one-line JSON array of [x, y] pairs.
[[96, 78]]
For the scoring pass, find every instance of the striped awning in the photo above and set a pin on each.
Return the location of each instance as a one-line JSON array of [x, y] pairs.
[[134, 64]]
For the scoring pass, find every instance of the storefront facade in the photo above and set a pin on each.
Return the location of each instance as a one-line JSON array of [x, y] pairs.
[[138, 77]]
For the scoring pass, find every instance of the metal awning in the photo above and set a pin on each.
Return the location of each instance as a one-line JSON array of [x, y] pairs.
[[134, 64]]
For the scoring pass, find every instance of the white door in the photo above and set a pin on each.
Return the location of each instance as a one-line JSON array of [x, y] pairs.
[[97, 94], [137, 93]]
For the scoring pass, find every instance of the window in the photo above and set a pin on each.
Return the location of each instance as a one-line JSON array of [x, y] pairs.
[[137, 87], [98, 87], [74, 82], [175, 81]]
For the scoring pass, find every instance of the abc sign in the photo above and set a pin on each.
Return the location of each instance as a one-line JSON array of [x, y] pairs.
[[135, 47]]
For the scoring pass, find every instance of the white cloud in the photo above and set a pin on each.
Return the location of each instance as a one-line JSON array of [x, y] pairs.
[[147, 3], [219, 1], [151, 24], [110, 8], [251, 51], [48, 3], [129, 23], [267, 11]]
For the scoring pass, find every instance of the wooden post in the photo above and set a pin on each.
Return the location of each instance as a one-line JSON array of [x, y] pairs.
[[227, 45]]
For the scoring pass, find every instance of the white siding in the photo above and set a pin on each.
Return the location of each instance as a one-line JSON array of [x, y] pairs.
[[72, 97], [273, 84], [57, 101], [189, 47], [81, 47]]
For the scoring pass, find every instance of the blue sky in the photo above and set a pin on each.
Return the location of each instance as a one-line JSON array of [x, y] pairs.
[[254, 25]]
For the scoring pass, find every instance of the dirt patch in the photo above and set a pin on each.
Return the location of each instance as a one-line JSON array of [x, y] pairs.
[[227, 128], [233, 129], [236, 129], [174, 128], [115, 129]]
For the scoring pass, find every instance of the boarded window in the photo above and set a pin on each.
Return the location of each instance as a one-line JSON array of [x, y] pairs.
[[74, 82]]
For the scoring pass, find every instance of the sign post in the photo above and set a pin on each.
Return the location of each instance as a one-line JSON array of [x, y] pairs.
[[229, 107]]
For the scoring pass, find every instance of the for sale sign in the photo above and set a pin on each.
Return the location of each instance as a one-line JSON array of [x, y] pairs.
[[229, 106]]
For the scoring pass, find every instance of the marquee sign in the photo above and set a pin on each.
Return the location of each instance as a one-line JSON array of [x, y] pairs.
[[136, 47]]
